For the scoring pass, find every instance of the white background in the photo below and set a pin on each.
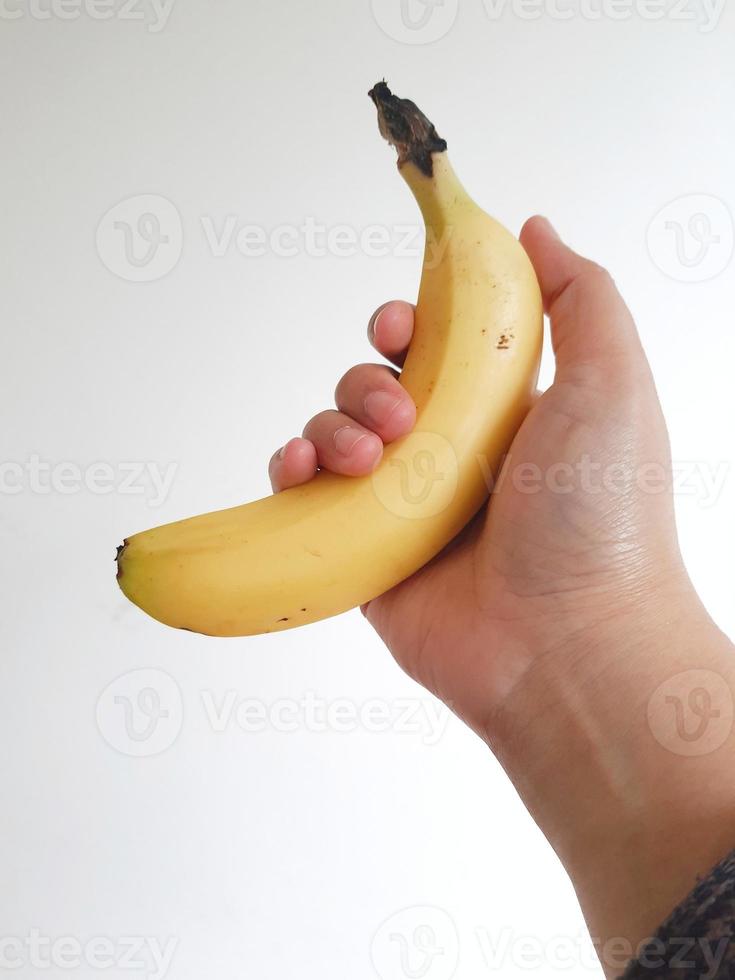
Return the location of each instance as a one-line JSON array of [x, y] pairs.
[[279, 853]]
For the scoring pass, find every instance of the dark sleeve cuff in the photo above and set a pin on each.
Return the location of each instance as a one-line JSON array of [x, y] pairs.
[[696, 941]]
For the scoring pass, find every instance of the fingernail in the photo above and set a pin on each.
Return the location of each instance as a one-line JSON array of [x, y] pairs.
[[346, 438], [372, 326], [380, 405]]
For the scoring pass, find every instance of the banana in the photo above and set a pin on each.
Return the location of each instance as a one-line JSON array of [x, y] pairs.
[[336, 542]]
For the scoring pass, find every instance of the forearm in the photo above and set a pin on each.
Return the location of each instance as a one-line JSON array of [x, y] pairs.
[[632, 783]]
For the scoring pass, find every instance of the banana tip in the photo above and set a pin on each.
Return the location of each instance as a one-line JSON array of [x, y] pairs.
[[118, 557], [404, 126]]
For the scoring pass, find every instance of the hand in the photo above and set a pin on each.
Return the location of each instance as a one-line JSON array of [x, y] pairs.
[[561, 550], [550, 621]]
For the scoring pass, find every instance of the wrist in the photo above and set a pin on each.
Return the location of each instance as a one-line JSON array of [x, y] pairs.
[[619, 741]]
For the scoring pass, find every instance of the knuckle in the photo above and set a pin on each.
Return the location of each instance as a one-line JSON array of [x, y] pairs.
[[599, 273], [356, 373], [359, 376], [317, 422]]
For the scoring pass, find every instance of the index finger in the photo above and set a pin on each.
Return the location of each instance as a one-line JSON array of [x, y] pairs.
[[390, 330]]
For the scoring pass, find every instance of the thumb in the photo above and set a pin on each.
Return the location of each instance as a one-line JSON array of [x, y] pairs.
[[592, 330]]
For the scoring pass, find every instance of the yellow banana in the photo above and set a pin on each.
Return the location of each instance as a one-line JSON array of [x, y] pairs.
[[322, 548]]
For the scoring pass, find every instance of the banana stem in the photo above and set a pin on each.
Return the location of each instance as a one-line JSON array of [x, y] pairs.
[[422, 157], [404, 125]]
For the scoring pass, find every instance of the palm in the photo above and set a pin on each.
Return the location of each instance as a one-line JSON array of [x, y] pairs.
[[554, 538]]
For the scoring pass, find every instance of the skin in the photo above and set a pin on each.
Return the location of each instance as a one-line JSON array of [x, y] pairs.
[[551, 622]]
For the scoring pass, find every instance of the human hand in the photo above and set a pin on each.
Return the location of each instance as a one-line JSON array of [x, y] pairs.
[[571, 542], [558, 611]]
